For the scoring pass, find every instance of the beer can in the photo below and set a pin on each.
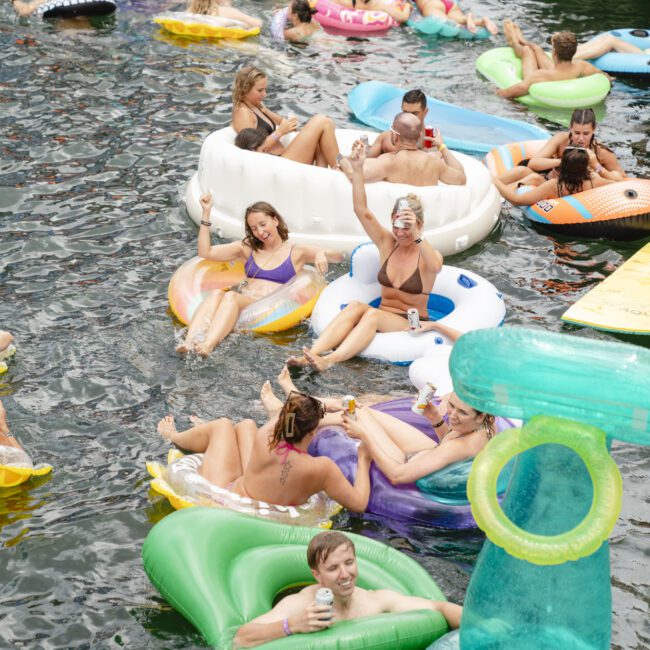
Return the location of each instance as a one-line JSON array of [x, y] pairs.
[[350, 406], [402, 205], [366, 142], [325, 596], [414, 319], [400, 224], [424, 397], [428, 132]]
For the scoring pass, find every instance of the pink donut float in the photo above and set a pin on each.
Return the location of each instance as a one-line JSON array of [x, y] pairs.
[[351, 20]]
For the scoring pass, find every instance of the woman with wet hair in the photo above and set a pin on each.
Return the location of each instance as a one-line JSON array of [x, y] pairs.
[[581, 133], [300, 25], [574, 175], [271, 463]]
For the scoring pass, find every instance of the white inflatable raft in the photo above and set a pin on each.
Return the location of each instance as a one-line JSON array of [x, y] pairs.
[[460, 299], [317, 203]]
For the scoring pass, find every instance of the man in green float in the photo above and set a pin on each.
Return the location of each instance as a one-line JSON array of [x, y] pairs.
[[332, 559]]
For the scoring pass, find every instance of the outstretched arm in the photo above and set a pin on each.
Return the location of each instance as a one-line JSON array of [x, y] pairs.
[[318, 256], [395, 603], [336, 486], [221, 252], [547, 190], [452, 171]]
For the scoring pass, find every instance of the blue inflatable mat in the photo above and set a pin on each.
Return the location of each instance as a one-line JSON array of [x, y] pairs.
[[627, 64], [376, 103]]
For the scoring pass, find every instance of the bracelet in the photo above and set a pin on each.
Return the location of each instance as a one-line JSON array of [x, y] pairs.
[[438, 424], [442, 146], [418, 240], [285, 627], [206, 223], [275, 137], [599, 169]]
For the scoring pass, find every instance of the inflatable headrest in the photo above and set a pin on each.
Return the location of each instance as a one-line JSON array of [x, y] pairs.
[[364, 263]]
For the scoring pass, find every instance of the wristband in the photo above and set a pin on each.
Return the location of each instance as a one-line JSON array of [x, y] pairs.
[[205, 223], [599, 169], [418, 240], [285, 627], [275, 137], [442, 146], [438, 424]]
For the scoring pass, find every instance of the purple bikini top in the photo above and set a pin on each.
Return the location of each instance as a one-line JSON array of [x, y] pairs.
[[281, 274]]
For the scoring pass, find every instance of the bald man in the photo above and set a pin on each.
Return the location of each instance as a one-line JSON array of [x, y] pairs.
[[408, 164]]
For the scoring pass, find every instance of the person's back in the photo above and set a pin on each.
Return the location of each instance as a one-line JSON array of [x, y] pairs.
[[412, 167]]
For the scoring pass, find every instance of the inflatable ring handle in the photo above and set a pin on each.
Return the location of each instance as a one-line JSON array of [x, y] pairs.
[[583, 540]]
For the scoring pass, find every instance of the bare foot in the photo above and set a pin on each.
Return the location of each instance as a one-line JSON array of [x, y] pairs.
[[184, 346], [316, 361], [508, 33], [269, 401], [285, 381], [204, 348], [297, 362], [195, 420], [167, 427], [471, 25], [490, 26]]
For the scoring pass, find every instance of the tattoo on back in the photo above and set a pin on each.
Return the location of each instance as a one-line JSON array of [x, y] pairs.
[[284, 473]]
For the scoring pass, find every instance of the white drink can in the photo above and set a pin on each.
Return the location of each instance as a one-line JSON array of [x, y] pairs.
[[413, 316], [424, 397], [349, 404], [324, 597]]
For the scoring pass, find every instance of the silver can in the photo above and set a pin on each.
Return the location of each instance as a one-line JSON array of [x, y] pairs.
[[402, 205], [414, 320], [325, 597], [349, 404], [366, 142], [424, 397]]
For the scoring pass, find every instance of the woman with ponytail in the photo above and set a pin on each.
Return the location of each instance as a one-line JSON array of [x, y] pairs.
[[271, 463], [300, 26]]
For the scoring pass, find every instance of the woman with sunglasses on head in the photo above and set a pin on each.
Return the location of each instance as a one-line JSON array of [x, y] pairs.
[[581, 133], [575, 174], [271, 463], [409, 266], [269, 260]]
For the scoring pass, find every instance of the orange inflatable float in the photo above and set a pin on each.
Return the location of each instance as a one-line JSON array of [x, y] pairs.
[[617, 211]]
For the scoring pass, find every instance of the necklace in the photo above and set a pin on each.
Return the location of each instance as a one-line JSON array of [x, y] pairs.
[[244, 283]]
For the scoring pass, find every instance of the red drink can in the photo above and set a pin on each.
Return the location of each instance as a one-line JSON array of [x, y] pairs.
[[428, 132]]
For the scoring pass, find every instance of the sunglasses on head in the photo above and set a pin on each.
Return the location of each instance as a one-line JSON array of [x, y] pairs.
[[576, 148]]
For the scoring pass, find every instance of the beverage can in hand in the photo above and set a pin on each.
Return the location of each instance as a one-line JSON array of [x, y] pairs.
[[325, 597], [428, 132], [366, 142], [413, 316], [424, 397], [350, 406]]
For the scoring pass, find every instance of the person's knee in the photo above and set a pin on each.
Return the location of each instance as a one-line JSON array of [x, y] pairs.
[[246, 424], [355, 307], [370, 317], [322, 121], [218, 425]]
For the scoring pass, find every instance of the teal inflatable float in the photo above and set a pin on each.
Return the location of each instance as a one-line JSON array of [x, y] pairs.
[[502, 67], [221, 569], [542, 579], [445, 28]]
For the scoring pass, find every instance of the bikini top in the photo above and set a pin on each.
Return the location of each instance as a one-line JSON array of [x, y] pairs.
[[281, 273], [284, 448], [413, 284], [263, 124]]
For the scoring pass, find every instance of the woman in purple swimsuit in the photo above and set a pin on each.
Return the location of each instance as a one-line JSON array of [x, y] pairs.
[[270, 259], [409, 268]]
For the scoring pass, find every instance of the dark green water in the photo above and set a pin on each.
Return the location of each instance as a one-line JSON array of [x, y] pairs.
[[101, 128]]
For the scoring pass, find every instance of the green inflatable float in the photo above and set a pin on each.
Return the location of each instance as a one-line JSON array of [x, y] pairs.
[[502, 66], [221, 569]]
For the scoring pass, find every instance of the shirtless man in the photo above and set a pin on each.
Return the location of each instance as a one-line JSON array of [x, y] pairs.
[[413, 102], [333, 563], [537, 67], [407, 164]]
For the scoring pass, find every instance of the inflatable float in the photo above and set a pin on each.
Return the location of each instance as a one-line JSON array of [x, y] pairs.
[[502, 67], [180, 482], [620, 302], [376, 103], [334, 16], [544, 571], [280, 310], [618, 211], [221, 569], [74, 8], [438, 500], [5, 354], [461, 299], [16, 467], [620, 63], [433, 368], [316, 202], [279, 23], [444, 27], [187, 24]]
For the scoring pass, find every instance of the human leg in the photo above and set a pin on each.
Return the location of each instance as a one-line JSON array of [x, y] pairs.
[[318, 132], [403, 435], [222, 460], [604, 44], [201, 319], [542, 61], [246, 431], [6, 439], [269, 400], [235, 14]]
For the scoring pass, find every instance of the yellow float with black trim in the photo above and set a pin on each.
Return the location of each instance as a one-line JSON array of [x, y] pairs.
[[191, 25], [618, 211], [183, 486], [16, 467], [282, 309]]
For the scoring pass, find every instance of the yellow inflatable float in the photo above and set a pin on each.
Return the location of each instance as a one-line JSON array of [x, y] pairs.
[[184, 23], [280, 310], [16, 467]]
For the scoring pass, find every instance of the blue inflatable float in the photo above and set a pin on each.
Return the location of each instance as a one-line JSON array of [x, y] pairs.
[[376, 103], [443, 27], [627, 64]]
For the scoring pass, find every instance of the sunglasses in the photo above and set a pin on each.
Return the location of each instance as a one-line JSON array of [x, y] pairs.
[[319, 404], [392, 130], [576, 148]]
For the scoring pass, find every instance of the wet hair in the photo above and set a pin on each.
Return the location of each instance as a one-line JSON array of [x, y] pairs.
[[565, 45], [267, 209], [251, 139], [298, 417], [303, 10], [322, 545], [573, 171], [415, 96], [489, 422], [414, 203], [587, 116], [200, 7], [245, 79]]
